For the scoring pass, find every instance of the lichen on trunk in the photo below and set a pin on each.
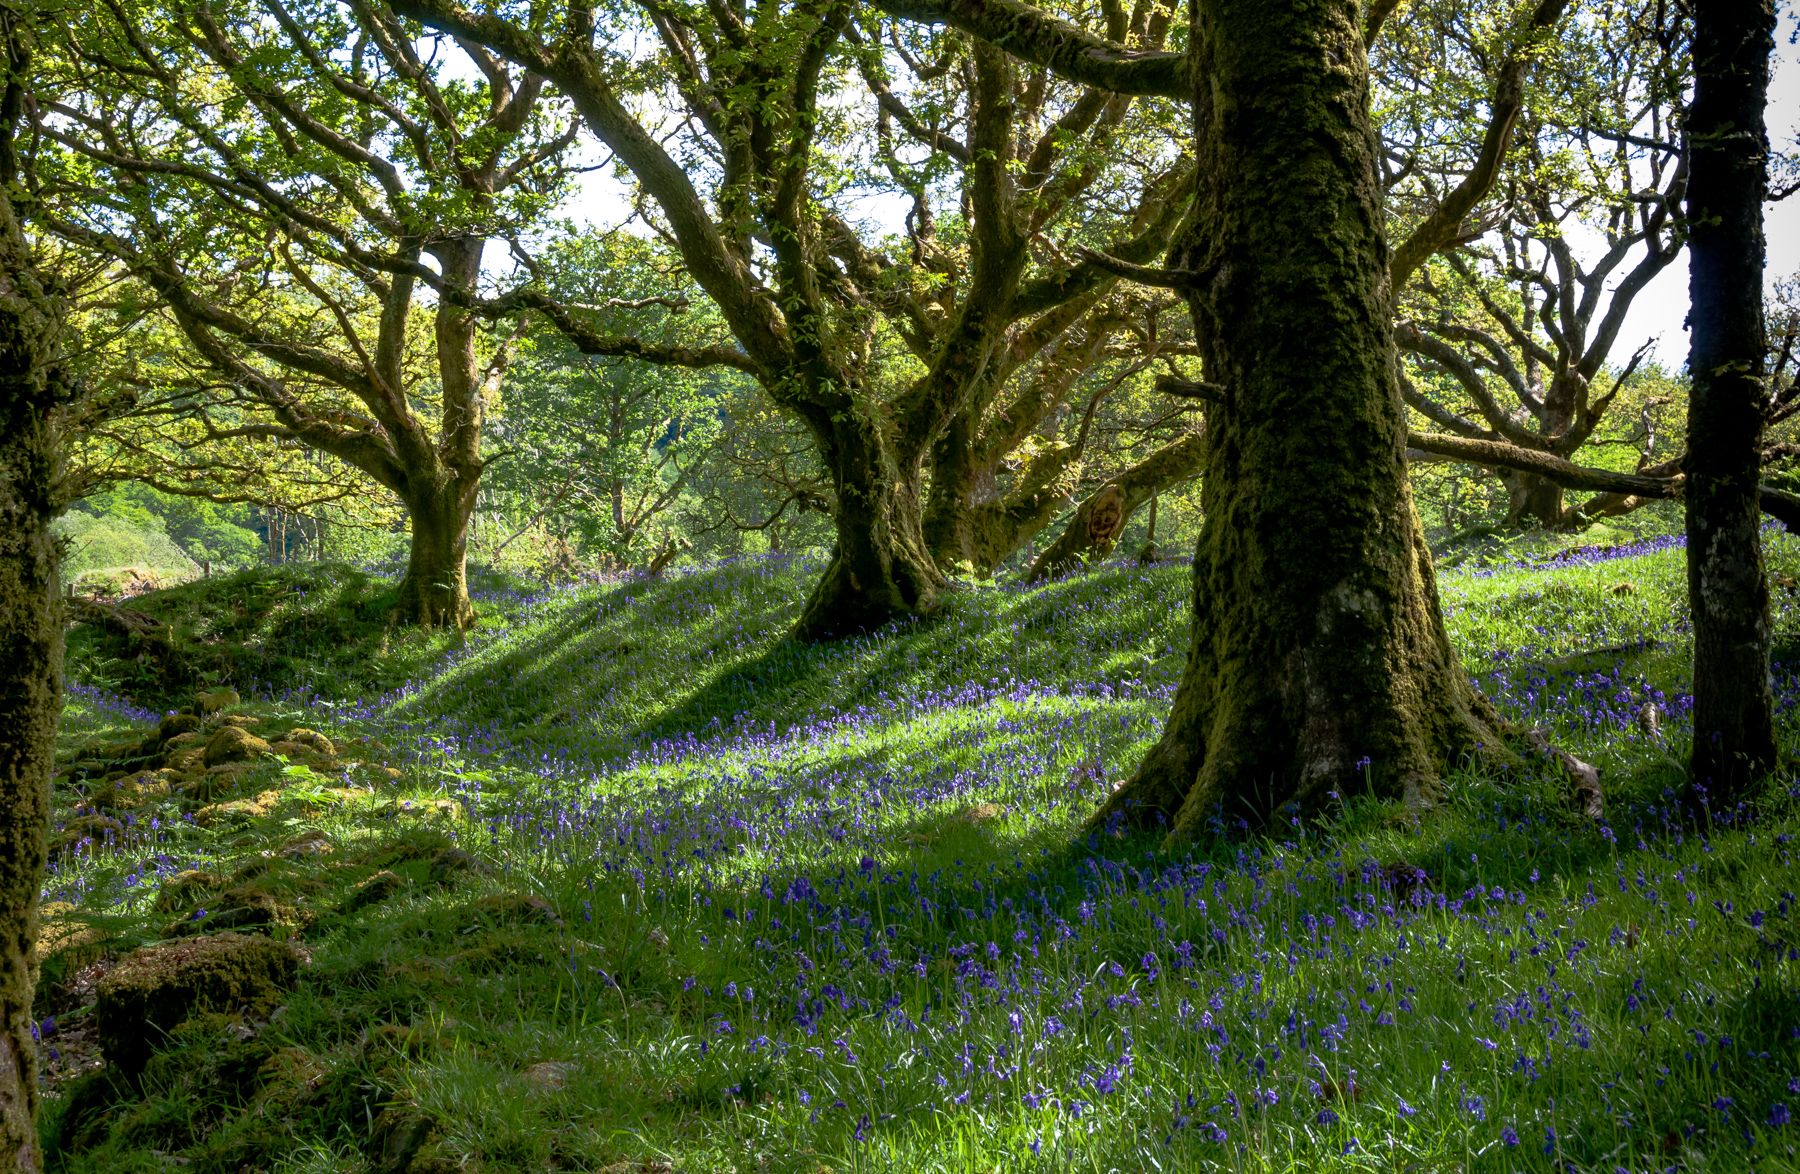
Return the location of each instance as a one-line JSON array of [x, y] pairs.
[[1318, 660]]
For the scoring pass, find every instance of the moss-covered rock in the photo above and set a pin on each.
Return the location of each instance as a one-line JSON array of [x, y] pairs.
[[504, 909], [239, 811], [175, 725], [373, 891], [86, 832], [311, 740], [233, 744], [154, 990], [214, 700], [244, 908], [186, 889]]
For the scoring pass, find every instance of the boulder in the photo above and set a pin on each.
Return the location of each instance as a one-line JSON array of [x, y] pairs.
[[175, 725], [154, 990], [233, 744], [312, 740], [548, 1076], [86, 831]]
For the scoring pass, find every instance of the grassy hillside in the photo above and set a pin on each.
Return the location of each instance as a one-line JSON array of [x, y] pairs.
[[629, 877]]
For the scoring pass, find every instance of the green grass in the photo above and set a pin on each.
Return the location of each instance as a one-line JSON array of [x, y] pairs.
[[834, 906]]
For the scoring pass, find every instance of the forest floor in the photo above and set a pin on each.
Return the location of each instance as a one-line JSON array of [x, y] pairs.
[[627, 881]]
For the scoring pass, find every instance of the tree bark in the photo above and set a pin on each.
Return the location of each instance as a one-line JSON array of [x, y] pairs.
[[1094, 530], [31, 640], [435, 590], [1318, 661], [880, 570], [1734, 739], [1533, 502]]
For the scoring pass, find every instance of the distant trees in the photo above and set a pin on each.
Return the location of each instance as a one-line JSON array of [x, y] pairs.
[[1513, 336], [895, 355], [310, 197], [596, 452]]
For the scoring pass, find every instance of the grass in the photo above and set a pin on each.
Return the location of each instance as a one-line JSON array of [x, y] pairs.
[[733, 902]]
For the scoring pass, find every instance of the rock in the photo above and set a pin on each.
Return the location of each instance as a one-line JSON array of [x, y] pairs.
[[186, 889], [450, 863], [216, 782], [239, 810], [977, 814], [193, 738], [154, 990], [187, 759], [514, 909], [211, 701], [175, 725], [233, 744], [311, 739], [242, 721], [133, 790], [549, 1076], [87, 832], [401, 1142], [306, 845], [241, 908]]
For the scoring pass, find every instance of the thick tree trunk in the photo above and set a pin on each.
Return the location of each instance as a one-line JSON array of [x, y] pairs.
[[435, 590], [1533, 502], [1094, 530], [948, 522], [1318, 661], [881, 569], [1734, 739], [31, 647]]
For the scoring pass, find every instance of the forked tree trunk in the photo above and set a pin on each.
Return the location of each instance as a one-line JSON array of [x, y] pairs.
[[1318, 660], [1734, 739], [880, 570], [31, 650], [435, 590]]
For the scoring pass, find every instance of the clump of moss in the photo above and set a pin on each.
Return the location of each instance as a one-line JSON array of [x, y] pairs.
[[373, 891], [154, 990]]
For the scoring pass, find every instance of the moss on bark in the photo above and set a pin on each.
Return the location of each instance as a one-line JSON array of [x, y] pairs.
[[435, 590], [1318, 660], [31, 650], [880, 570]]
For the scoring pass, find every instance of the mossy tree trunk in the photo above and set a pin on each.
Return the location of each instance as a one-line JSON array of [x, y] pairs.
[[1318, 660], [1734, 739], [880, 568], [435, 590], [1532, 502], [31, 644]]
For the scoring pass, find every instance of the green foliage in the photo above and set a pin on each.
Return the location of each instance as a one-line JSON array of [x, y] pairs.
[[104, 550]]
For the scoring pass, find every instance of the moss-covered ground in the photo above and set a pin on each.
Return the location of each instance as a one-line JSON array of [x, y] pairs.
[[627, 880]]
